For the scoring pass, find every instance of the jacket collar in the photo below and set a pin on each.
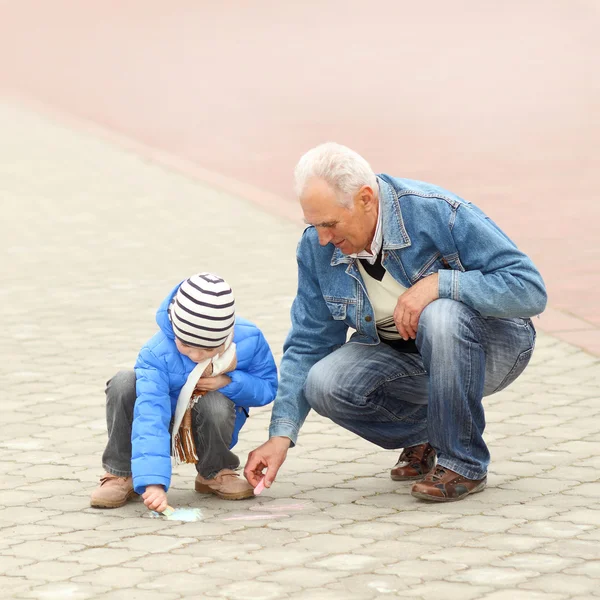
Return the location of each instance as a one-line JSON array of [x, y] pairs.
[[394, 232]]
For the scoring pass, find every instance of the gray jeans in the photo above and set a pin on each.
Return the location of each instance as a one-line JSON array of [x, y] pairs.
[[213, 422]]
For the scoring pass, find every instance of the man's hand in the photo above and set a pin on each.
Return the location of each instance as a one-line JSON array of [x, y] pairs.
[[411, 304], [269, 456], [155, 498], [212, 384]]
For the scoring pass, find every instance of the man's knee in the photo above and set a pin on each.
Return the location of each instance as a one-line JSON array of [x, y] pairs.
[[120, 389], [443, 319], [322, 387], [216, 408]]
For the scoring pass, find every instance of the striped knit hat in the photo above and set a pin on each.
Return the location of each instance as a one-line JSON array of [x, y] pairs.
[[202, 312]]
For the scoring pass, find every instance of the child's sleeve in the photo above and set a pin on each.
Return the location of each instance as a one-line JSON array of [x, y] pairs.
[[257, 384], [150, 437]]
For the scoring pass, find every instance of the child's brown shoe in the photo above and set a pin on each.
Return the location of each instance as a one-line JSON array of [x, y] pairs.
[[226, 484], [112, 492]]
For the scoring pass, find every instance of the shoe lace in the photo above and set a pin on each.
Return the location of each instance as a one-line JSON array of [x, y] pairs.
[[439, 473], [109, 477], [412, 453]]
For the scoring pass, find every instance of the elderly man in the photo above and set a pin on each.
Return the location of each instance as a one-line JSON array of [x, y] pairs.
[[440, 300]]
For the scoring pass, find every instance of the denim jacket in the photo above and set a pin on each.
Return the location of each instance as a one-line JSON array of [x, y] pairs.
[[425, 230]]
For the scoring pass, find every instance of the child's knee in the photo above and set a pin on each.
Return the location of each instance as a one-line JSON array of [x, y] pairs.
[[121, 388], [215, 407]]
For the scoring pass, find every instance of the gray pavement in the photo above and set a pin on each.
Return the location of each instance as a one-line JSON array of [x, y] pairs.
[[91, 239]]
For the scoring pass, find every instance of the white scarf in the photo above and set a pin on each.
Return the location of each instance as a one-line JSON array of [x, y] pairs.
[[220, 362]]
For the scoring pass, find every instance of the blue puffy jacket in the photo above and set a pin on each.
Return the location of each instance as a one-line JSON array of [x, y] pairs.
[[161, 371]]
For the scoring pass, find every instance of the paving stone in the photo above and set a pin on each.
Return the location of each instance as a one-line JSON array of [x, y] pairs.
[[573, 585], [426, 569], [377, 531], [217, 550], [322, 594], [446, 589], [583, 517], [551, 529], [12, 586], [542, 563], [348, 562], [324, 543], [493, 575], [9, 564], [103, 556], [153, 543], [134, 594], [254, 590], [309, 578], [463, 556], [43, 550], [65, 589], [590, 568], [371, 585], [515, 594], [524, 511], [109, 576], [588, 550], [417, 519], [510, 542], [52, 570], [481, 523], [232, 571]]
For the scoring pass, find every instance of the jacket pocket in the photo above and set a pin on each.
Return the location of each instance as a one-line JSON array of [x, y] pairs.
[[337, 309]]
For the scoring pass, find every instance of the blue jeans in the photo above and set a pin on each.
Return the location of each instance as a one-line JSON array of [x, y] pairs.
[[397, 400]]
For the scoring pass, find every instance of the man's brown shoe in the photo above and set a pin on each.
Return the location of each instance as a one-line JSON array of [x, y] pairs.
[[444, 485], [112, 492], [226, 484], [414, 463]]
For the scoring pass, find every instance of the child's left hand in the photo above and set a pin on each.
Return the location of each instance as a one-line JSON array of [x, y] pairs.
[[212, 384]]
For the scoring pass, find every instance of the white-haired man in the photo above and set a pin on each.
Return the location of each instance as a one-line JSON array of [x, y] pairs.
[[440, 300]]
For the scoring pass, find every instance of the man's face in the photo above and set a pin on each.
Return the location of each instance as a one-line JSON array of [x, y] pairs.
[[197, 354], [349, 229]]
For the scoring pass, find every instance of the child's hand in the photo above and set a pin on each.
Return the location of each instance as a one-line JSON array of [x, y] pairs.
[[211, 384], [155, 498]]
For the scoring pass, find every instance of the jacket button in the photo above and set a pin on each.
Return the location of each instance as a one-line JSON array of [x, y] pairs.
[[368, 318]]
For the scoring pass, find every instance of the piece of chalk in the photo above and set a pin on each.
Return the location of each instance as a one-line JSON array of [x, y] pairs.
[[168, 511], [260, 486]]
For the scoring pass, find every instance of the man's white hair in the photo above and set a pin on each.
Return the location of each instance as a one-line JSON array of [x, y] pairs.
[[343, 169]]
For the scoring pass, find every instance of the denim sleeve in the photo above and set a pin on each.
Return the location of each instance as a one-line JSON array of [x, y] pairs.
[[498, 279], [150, 437], [314, 334]]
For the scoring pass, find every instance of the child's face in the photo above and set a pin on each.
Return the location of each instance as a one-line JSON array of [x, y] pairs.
[[197, 354]]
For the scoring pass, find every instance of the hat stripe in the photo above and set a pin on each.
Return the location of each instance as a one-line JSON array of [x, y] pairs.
[[209, 292], [179, 319], [200, 315], [207, 304], [216, 341]]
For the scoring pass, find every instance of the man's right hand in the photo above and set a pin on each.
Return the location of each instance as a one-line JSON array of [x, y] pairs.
[[269, 456]]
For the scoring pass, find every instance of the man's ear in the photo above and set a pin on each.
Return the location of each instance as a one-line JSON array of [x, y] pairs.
[[367, 197]]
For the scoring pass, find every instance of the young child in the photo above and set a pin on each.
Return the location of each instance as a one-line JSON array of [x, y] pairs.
[[202, 371]]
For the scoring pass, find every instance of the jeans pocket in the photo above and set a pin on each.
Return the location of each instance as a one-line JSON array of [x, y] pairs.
[[519, 366]]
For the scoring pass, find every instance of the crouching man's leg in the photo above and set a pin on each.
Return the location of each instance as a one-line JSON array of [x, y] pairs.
[[379, 394], [467, 356], [213, 425]]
